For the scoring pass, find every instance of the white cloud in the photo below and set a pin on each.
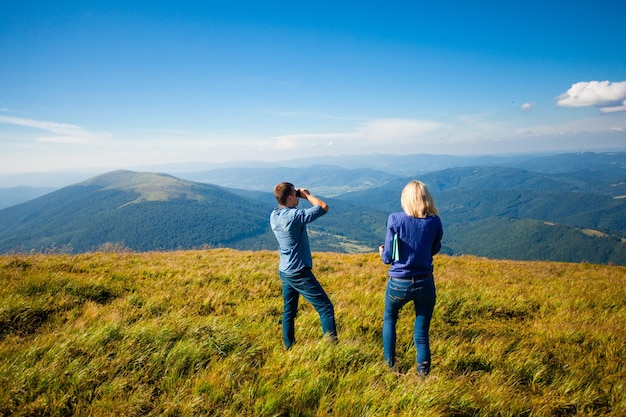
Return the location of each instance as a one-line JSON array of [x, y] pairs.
[[527, 106], [372, 133], [604, 94], [65, 133], [614, 109], [38, 124]]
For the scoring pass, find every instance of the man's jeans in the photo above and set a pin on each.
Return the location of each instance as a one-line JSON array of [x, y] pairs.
[[399, 292], [305, 284]]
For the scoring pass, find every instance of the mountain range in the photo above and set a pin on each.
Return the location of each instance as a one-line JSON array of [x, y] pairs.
[[562, 207]]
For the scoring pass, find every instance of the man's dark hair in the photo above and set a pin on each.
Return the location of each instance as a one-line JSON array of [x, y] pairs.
[[282, 191]]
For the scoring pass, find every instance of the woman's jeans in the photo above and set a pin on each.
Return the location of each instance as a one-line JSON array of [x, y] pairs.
[[304, 283], [399, 292]]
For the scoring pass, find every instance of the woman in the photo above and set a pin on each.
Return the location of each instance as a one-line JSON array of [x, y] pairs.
[[413, 237]]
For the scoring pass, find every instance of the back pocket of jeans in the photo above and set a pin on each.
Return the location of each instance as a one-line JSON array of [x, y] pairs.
[[396, 292]]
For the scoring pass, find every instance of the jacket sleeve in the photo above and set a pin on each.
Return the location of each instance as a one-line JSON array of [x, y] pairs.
[[438, 236], [388, 249]]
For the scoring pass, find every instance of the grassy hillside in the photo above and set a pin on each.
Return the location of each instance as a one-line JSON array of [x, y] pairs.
[[143, 211], [198, 333]]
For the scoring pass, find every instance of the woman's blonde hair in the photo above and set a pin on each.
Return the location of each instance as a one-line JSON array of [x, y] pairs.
[[416, 200]]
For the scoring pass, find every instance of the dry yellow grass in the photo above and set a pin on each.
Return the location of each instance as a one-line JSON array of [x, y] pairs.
[[198, 333]]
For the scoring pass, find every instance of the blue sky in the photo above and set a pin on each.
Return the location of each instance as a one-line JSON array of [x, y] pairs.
[[117, 84]]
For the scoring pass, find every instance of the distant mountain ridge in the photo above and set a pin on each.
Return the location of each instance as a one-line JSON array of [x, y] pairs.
[[141, 210], [152, 211], [512, 213], [16, 195], [330, 176], [571, 208], [327, 180]]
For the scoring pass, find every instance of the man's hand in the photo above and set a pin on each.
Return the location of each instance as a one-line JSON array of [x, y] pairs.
[[312, 199], [304, 193]]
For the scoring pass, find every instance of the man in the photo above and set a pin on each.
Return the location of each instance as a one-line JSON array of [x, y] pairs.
[[288, 223]]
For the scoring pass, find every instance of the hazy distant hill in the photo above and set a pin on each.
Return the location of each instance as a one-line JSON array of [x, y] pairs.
[[142, 211], [146, 211], [16, 195], [344, 173], [339, 174], [516, 214], [326, 180], [613, 163], [567, 208]]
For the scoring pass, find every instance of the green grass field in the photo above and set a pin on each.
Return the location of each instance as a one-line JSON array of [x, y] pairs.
[[198, 333]]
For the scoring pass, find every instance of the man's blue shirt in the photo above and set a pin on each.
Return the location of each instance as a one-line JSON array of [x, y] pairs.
[[289, 227]]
